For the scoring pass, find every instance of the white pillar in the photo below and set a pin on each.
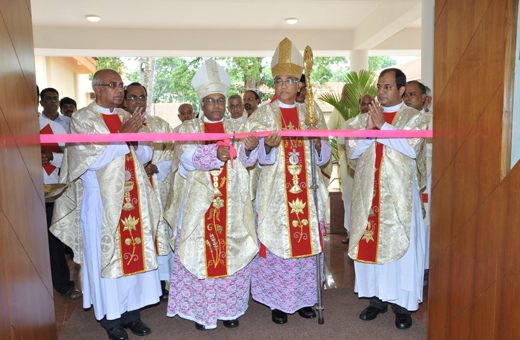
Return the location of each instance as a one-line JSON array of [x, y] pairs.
[[358, 60], [427, 22]]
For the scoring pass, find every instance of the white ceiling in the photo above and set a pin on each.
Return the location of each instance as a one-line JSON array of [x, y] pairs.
[[232, 27]]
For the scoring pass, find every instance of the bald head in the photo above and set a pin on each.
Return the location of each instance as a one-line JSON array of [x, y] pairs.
[[185, 112], [108, 86], [363, 103]]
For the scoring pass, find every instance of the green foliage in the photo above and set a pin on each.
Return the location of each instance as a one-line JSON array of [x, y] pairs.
[[111, 62], [334, 148], [377, 63], [322, 71], [355, 86]]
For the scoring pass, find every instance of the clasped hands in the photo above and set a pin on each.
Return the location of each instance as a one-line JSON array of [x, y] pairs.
[[376, 118], [132, 123]]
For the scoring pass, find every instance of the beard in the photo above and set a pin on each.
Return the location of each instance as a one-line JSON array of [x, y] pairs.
[[247, 106]]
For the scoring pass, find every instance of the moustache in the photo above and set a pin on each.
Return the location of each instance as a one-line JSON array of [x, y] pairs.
[[247, 106]]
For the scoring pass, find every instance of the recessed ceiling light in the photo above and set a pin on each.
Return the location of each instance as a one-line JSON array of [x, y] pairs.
[[291, 21], [92, 17]]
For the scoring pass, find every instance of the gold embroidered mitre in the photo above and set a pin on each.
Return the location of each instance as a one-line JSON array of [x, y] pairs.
[[287, 60]]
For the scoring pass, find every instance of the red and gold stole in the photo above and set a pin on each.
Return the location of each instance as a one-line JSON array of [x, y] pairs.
[[368, 245], [296, 186], [130, 226], [215, 219], [51, 147]]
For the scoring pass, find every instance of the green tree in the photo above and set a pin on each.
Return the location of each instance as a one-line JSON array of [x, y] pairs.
[[111, 62], [379, 62]]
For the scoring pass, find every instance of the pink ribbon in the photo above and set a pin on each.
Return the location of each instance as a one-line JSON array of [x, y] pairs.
[[152, 137], [232, 150]]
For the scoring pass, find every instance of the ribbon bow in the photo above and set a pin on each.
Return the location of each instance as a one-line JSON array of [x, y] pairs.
[[232, 150]]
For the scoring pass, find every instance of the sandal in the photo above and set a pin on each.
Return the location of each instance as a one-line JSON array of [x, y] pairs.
[[74, 293]]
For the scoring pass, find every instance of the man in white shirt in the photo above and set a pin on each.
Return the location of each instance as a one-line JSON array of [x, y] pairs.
[[50, 101]]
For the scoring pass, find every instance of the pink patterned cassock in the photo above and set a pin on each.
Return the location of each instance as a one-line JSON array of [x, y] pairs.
[[209, 300], [287, 285]]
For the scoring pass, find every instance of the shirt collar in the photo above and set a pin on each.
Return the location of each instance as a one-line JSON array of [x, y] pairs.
[[206, 120], [394, 108], [106, 110], [286, 106]]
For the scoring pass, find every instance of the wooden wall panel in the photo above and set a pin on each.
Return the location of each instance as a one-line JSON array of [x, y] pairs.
[[5, 317], [473, 174], [16, 196], [473, 322], [459, 34], [26, 297], [474, 274], [466, 268], [508, 287], [16, 101], [479, 81], [17, 22]]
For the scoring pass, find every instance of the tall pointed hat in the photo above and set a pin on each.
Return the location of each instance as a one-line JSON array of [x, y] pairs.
[[287, 60], [211, 78]]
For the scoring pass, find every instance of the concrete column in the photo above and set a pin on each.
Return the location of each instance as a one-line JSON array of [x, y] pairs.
[[428, 21], [358, 60]]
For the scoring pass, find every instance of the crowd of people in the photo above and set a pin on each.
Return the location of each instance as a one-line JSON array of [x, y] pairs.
[[207, 224]]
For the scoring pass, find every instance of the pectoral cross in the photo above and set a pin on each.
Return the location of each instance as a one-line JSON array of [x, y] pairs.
[[294, 157]]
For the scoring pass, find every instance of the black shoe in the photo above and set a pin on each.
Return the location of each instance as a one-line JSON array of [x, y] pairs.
[[138, 327], [231, 323], [307, 312], [346, 240], [200, 327], [403, 321], [370, 313], [279, 316], [117, 333]]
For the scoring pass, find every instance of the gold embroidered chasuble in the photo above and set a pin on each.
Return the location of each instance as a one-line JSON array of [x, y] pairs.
[[396, 190], [198, 191], [67, 208], [273, 213], [162, 152]]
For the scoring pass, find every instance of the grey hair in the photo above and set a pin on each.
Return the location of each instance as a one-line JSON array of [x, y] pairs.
[[234, 96], [428, 91]]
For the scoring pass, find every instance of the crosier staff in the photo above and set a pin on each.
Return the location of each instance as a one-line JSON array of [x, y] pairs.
[[312, 120]]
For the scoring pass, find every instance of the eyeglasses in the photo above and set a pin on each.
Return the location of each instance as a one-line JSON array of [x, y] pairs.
[[134, 98], [288, 82], [211, 101], [233, 106], [113, 85]]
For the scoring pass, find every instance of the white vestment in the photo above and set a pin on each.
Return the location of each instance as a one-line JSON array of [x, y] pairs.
[[110, 297], [399, 282]]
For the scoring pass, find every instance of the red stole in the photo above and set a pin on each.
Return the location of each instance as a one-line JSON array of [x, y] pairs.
[[368, 245], [130, 226], [215, 219], [296, 187], [51, 147]]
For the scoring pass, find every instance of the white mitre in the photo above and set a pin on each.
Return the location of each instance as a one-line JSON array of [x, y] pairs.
[[211, 78], [287, 60]]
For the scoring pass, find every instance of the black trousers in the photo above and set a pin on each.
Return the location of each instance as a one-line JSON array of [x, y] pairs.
[[59, 267], [124, 319], [377, 303]]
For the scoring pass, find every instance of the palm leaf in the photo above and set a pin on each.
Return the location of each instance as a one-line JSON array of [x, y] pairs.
[[356, 85]]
